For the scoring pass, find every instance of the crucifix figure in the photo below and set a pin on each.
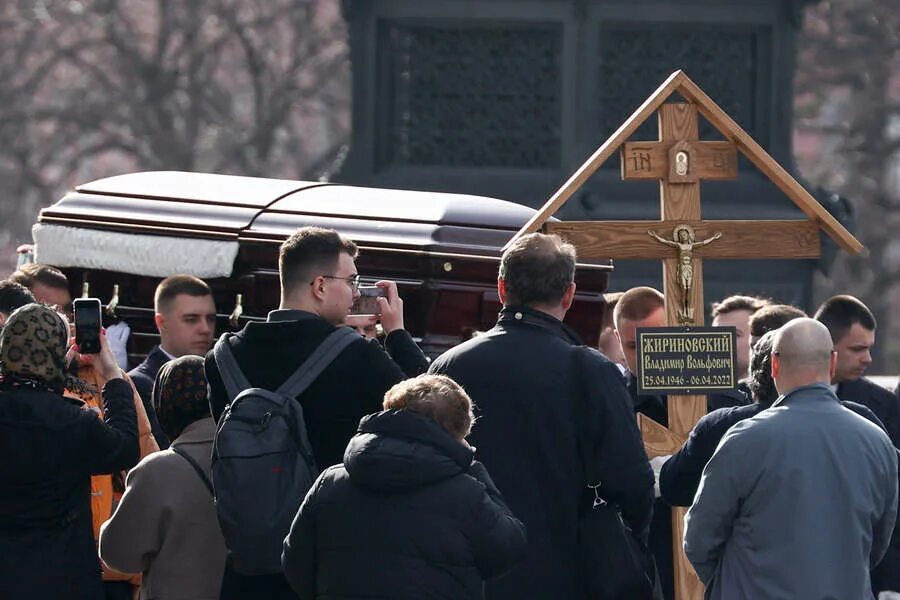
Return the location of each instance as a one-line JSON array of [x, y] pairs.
[[679, 161], [683, 237]]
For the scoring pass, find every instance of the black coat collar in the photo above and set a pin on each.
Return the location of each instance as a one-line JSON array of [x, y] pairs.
[[525, 315]]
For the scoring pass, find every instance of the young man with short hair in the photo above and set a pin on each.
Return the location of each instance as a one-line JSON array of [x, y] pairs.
[[640, 307], [319, 284], [185, 316], [852, 327]]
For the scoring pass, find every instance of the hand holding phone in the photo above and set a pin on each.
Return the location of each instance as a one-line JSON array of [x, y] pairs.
[[390, 306], [88, 321], [367, 303]]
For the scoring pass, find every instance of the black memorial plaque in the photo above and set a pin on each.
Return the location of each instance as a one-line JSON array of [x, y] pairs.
[[685, 360]]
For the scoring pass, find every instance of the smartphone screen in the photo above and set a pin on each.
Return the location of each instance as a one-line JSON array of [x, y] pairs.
[[367, 303], [88, 321]]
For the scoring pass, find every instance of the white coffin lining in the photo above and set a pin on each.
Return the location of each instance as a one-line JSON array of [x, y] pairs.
[[151, 255]]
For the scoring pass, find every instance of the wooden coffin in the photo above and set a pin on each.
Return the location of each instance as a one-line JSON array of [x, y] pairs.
[[443, 249]]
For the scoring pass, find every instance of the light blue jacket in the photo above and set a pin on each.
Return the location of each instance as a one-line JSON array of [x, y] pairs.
[[797, 502]]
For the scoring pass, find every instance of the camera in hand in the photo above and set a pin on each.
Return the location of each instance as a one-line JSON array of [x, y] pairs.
[[88, 321], [367, 303]]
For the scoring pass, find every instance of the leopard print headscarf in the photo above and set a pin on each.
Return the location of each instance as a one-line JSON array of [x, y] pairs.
[[179, 394], [33, 346]]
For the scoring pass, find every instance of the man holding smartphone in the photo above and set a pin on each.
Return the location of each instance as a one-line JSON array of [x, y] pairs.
[[319, 285]]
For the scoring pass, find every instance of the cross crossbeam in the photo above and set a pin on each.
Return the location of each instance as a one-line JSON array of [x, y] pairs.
[[600, 240]]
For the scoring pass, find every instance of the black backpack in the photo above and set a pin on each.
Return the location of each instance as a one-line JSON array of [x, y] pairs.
[[262, 463]]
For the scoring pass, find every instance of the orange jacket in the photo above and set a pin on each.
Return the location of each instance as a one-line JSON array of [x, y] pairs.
[[107, 489]]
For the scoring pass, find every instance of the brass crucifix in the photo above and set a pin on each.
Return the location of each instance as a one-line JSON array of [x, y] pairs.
[[683, 238]]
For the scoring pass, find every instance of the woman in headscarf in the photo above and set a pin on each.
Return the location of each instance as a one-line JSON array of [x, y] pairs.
[[165, 526], [50, 447]]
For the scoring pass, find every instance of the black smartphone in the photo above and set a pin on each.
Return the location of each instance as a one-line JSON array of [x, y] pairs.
[[367, 303], [88, 321]]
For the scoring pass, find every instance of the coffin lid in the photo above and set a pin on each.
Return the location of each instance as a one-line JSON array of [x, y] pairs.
[[228, 207]]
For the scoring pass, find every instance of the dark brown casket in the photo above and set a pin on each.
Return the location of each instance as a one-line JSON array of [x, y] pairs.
[[442, 249]]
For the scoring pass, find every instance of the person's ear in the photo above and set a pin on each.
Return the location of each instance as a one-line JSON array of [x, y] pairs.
[[317, 287], [568, 297], [160, 321], [776, 366], [501, 290], [832, 366]]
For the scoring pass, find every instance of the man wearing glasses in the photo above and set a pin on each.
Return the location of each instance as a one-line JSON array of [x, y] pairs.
[[319, 284]]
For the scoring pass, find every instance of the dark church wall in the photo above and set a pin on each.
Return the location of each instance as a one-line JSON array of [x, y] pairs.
[[507, 98]]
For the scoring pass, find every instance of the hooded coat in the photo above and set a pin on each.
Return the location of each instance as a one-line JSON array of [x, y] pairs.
[[409, 515]]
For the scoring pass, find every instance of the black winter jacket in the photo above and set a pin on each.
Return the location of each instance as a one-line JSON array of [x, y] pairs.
[[522, 377], [886, 406], [408, 515], [50, 448]]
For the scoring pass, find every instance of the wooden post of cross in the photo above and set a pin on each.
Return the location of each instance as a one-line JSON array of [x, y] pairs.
[[679, 160]]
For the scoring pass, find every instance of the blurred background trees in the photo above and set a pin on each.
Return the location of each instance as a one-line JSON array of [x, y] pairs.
[[847, 140], [93, 88], [99, 87]]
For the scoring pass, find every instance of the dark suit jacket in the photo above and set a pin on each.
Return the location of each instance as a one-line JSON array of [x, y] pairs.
[[880, 401], [522, 377], [655, 406], [886, 406], [143, 377]]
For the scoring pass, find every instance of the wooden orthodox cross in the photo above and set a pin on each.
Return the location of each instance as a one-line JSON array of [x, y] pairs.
[[680, 161]]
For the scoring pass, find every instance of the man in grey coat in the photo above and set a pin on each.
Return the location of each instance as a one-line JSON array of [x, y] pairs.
[[799, 501]]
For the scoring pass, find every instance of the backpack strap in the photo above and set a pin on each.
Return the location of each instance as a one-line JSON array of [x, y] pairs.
[[232, 377], [196, 466], [313, 366]]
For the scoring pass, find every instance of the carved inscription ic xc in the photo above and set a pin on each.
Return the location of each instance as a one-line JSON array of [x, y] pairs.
[[641, 160]]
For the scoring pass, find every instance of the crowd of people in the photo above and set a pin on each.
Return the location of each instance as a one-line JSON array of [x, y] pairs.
[[468, 476]]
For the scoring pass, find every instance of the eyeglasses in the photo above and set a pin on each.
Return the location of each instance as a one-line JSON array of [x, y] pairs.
[[352, 280]]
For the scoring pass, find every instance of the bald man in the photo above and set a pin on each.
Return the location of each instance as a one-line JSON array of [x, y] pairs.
[[799, 501]]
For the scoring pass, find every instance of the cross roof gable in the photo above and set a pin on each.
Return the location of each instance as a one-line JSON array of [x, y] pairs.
[[679, 82]]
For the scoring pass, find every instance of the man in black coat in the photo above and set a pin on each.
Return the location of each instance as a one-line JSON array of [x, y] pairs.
[[521, 375], [852, 328], [318, 286], [185, 316]]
